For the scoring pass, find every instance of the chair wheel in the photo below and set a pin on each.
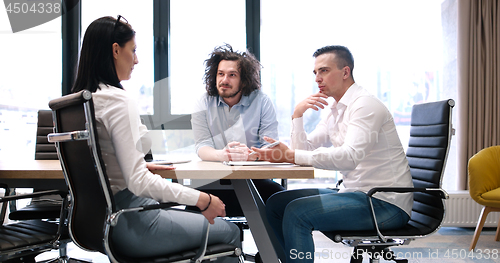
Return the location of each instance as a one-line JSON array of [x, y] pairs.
[[337, 238]]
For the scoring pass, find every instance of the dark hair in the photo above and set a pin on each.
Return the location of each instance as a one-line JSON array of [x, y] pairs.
[[96, 56], [248, 66], [343, 56]]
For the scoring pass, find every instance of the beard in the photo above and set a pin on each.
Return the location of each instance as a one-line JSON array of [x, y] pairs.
[[229, 93]]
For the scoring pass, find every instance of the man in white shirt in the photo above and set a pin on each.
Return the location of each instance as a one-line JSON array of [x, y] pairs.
[[357, 138]]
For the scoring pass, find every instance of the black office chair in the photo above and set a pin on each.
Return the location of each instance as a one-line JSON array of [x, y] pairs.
[[22, 241], [92, 213], [44, 150], [430, 137], [46, 207]]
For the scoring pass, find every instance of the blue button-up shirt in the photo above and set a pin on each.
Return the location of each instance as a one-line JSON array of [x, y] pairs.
[[248, 121]]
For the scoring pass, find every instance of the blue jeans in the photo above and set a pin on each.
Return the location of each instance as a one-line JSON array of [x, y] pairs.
[[294, 214], [160, 232]]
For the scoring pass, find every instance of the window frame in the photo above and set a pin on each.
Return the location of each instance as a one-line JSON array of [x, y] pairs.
[[71, 37], [71, 27], [161, 91]]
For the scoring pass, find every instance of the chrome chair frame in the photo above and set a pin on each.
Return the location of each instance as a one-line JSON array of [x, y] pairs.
[[377, 244], [89, 135]]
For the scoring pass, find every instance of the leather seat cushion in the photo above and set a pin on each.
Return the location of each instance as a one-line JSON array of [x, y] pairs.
[[30, 232]]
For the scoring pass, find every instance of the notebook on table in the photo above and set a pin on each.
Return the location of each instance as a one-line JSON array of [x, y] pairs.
[[253, 163], [166, 159]]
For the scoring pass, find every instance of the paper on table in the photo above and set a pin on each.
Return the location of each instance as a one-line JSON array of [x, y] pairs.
[[253, 163], [171, 161]]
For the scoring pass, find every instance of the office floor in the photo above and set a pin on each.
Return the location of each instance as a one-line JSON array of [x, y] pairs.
[[448, 245]]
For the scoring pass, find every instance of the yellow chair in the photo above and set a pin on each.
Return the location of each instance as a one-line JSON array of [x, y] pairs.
[[484, 186]]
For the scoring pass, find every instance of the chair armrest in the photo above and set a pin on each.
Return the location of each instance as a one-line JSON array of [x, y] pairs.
[[33, 195], [68, 136], [442, 193], [63, 194], [113, 220], [159, 206]]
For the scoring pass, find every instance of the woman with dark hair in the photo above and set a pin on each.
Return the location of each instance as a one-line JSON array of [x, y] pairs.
[[107, 58]]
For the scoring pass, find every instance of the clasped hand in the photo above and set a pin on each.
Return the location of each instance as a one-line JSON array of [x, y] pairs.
[[235, 151]]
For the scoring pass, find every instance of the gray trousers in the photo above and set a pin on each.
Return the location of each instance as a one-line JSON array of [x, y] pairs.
[[159, 232]]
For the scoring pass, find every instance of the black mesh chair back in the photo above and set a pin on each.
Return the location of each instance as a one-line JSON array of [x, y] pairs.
[[88, 200], [92, 209], [427, 152]]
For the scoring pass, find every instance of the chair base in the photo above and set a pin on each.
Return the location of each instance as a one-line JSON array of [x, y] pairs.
[[482, 219], [64, 260], [63, 255]]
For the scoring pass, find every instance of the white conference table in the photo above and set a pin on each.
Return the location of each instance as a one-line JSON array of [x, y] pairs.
[[48, 174]]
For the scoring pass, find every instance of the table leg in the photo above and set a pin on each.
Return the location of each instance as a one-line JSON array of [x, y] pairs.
[[255, 213]]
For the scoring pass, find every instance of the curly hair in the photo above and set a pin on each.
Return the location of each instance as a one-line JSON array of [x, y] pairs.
[[248, 66]]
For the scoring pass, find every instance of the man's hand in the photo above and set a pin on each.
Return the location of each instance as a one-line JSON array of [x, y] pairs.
[[278, 154], [235, 151], [314, 102]]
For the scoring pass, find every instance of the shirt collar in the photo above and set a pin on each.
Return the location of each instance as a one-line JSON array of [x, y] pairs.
[[347, 98], [245, 101], [220, 101]]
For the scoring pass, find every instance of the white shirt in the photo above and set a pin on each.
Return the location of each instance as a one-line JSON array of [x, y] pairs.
[[359, 139], [123, 141]]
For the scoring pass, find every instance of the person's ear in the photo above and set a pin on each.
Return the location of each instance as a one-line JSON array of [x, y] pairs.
[[116, 50], [347, 72]]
